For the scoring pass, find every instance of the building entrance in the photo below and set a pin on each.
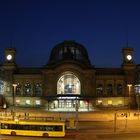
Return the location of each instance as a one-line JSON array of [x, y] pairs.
[[66, 104]]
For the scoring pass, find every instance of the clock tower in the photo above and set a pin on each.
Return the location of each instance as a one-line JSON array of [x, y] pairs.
[[128, 58], [9, 62]]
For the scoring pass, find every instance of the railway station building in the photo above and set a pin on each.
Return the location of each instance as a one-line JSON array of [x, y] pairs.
[[69, 82]]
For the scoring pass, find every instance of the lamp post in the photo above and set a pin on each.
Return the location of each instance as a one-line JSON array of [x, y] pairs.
[[14, 92], [129, 91], [77, 107]]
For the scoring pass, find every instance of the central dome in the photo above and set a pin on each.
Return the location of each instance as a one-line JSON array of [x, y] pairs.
[[69, 51]]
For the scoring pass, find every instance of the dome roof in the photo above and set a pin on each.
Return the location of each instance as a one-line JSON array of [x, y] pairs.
[[69, 51]]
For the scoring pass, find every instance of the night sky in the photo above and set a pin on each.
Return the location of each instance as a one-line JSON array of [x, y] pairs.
[[103, 26]]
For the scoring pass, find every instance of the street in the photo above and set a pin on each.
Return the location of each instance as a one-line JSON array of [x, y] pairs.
[[81, 136], [91, 125], [118, 137]]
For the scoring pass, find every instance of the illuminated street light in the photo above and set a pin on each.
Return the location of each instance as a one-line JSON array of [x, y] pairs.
[[129, 91], [129, 88], [126, 114], [14, 92], [77, 107]]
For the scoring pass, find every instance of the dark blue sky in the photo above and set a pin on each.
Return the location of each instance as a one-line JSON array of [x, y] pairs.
[[36, 26]]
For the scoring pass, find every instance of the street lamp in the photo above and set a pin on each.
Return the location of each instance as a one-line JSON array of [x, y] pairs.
[[14, 92], [77, 107], [129, 91]]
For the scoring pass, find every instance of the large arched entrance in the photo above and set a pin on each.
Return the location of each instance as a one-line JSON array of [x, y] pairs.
[[68, 84]]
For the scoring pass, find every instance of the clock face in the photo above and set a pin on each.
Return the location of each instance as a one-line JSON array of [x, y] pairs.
[[129, 57], [9, 57]]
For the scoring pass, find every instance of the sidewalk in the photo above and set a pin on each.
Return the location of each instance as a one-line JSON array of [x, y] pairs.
[[104, 115]]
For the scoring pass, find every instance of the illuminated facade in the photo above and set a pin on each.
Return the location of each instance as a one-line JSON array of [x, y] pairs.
[[69, 81]]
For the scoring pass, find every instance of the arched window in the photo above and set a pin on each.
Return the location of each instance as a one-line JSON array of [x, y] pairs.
[[1, 87], [38, 89], [109, 90], [78, 54], [18, 89], [119, 89], [60, 54], [99, 90], [68, 84], [28, 89]]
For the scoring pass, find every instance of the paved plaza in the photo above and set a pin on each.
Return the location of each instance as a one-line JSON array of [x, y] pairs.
[[105, 124]]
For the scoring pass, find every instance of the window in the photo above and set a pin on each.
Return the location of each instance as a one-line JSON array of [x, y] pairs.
[[99, 90], [60, 54], [109, 102], [28, 89], [69, 89], [78, 55], [32, 127], [120, 102], [68, 84], [17, 102], [1, 87], [38, 89], [8, 88], [38, 102], [18, 89], [28, 102], [119, 89], [109, 90]]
